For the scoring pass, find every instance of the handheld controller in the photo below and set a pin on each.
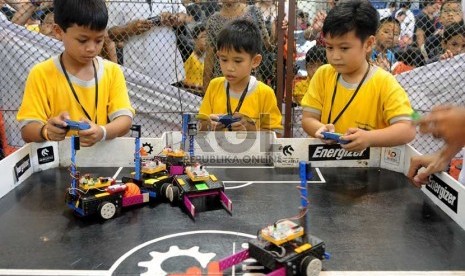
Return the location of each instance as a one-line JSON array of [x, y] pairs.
[[334, 136], [227, 120], [77, 125]]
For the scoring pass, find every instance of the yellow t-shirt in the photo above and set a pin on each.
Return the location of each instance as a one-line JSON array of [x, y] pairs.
[[47, 94], [194, 70], [300, 88], [380, 102], [259, 103]]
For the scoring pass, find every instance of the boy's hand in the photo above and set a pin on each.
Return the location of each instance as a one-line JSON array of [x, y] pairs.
[[55, 127], [245, 123], [214, 124], [90, 136], [325, 128], [359, 140]]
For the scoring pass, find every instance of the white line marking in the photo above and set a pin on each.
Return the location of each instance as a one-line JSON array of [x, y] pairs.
[[130, 252], [239, 167], [320, 175], [249, 182], [54, 272]]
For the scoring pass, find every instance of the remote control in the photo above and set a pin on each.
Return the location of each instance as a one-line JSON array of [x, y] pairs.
[[227, 120], [334, 136], [77, 125]]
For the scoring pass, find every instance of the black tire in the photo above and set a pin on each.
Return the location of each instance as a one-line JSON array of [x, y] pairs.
[[310, 266]]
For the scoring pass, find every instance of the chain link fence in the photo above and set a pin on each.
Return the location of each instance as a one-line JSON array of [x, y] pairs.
[[420, 42]]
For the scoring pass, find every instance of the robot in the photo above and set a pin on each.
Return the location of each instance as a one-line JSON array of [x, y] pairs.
[[102, 196], [285, 247], [191, 184]]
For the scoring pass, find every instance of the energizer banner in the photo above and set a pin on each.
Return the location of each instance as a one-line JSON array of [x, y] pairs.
[[335, 152], [444, 192]]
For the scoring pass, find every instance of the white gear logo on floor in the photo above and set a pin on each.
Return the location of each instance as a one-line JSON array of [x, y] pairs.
[[154, 266]]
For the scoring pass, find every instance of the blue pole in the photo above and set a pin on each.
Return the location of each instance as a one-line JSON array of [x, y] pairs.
[[185, 121], [137, 159], [303, 184], [73, 166]]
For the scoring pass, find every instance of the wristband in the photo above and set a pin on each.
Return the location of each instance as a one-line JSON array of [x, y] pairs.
[[104, 129], [44, 133]]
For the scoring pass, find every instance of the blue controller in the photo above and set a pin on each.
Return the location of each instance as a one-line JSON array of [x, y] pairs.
[[334, 136], [77, 125], [227, 120]]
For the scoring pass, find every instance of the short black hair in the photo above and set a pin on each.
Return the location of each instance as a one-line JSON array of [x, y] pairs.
[[352, 15], [240, 35], [453, 30], [87, 13], [197, 30], [411, 56], [388, 19], [426, 3], [316, 54]]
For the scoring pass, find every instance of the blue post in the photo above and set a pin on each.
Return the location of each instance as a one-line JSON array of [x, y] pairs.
[[73, 165], [303, 184], [303, 197], [185, 121], [137, 159]]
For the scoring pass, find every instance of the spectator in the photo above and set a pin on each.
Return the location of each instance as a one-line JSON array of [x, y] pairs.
[[314, 58], [237, 93], [387, 12], [407, 25], [46, 25], [408, 59], [453, 41], [424, 22], [145, 39], [23, 10], [194, 64], [313, 32], [450, 13], [387, 38], [67, 86], [230, 10], [339, 91]]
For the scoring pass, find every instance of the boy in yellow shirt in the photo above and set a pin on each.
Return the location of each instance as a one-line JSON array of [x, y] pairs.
[[250, 102], [349, 95], [76, 85], [314, 58], [194, 64]]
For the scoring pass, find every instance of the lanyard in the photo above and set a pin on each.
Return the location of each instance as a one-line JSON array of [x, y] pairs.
[[74, 91], [349, 102], [239, 104]]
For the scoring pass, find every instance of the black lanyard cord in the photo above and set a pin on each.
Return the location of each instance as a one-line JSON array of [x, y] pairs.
[[351, 99], [74, 91], [239, 104]]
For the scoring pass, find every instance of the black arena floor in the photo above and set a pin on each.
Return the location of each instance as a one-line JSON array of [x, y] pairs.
[[370, 219]]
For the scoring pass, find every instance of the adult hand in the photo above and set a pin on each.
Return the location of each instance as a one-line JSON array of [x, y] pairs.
[[139, 26], [430, 163], [447, 122]]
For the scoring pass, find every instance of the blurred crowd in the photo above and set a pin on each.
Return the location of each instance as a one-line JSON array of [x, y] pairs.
[[174, 41]]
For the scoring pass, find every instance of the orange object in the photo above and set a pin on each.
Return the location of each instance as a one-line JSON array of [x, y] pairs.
[[7, 149], [455, 167], [132, 190]]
